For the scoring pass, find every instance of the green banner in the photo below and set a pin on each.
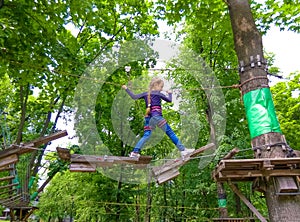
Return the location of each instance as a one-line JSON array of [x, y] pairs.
[[222, 202], [260, 112]]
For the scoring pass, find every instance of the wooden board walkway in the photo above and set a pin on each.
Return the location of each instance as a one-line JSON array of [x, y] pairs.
[[170, 169], [89, 163], [249, 169]]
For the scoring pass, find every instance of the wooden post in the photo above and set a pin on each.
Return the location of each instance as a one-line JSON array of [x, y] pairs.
[[246, 201], [222, 201]]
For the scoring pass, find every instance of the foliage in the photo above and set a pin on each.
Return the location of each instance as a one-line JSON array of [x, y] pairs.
[[283, 14], [286, 101], [48, 47], [45, 47]]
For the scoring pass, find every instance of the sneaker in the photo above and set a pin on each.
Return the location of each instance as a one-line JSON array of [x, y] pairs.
[[186, 152], [134, 155]]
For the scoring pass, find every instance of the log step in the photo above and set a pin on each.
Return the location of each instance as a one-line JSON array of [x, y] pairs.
[[7, 178]]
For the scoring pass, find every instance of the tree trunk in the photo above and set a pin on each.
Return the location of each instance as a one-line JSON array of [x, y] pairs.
[[253, 78]]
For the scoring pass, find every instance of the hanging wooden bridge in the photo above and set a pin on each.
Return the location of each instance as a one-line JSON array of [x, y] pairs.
[[162, 174]]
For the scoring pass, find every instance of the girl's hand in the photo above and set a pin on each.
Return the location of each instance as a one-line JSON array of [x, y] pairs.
[[169, 91], [124, 87]]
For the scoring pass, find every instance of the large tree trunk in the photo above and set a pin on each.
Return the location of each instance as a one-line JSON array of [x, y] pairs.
[[253, 76]]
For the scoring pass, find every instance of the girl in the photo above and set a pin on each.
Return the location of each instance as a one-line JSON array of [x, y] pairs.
[[154, 116]]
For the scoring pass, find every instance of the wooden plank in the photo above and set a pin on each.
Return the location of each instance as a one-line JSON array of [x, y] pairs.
[[168, 166], [77, 158], [9, 185], [16, 204], [7, 178], [273, 161], [202, 149], [169, 170], [5, 161], [8, 191], [231, 154], [29, 213], [31, 146], [6, 168], [280, 161], [11, 199], [63, 153], [82, 167], [250, 175], [249, 167], [47, 139], [179, 161], [233, 219], [247, 202], [16, 149], [167, 176], [286, 185], [267, 165]]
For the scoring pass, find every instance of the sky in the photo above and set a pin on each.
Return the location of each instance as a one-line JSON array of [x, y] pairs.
[[284, 44], [286, 47]]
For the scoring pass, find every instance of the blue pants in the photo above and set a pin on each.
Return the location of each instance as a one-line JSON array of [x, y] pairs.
[[150, 124]]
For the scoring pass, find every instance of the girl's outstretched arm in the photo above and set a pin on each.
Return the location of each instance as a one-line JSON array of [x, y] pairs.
[[131, 94]]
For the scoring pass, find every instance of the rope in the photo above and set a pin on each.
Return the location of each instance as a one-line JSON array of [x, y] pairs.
[[253, 78], [119, 85], [144, 205]]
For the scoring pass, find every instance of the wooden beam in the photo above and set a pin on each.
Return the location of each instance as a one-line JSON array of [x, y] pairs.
[[6, 168], [30, 146], [46, 139], [246, 201], [251, 168], [82, 167], [162, 174], [169, 175], [259, 173], [11, 199], [5, 161], [28, 214], [171, 164], [231, 154], [286, 184], [9, 185], [63, 153], [8, 191], [7, 178], [104, 160]]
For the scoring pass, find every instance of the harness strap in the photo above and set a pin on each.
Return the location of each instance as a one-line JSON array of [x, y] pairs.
[[161, 123], [147, 128]]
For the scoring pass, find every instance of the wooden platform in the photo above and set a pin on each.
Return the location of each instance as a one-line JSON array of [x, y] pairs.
[[30, 146], [234, 219], [11, 194], [170, 169], [89, 163], [249, 169]]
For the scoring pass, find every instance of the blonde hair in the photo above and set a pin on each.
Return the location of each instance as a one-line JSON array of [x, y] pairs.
[[152, 85]]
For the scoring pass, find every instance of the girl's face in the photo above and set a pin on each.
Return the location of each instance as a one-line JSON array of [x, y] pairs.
[[159, 86]]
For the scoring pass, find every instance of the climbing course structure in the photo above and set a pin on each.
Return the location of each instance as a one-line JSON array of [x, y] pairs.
[[170, 169], [89, 163], [16, 179], [284, 173], [162, 173]]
